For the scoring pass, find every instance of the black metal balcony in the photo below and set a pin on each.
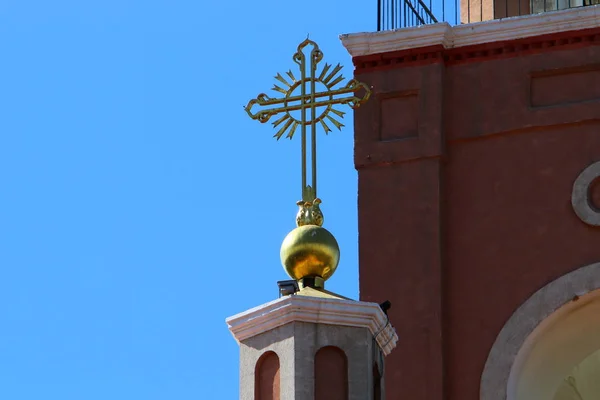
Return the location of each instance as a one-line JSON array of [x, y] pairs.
[[395, 14]]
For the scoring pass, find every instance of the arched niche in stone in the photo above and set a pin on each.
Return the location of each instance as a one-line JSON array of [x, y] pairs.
[[331, 374], [555, 332], [267, 377]]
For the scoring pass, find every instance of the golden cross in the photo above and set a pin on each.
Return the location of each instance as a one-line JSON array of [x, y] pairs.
[[301, 96]]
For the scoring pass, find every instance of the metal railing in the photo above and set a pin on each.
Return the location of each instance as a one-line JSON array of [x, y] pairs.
[[396, 14]]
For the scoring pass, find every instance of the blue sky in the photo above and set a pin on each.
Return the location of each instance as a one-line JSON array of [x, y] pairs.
[[140, 206]]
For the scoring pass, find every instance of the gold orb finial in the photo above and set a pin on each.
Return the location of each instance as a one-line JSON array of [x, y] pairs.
[[310, 251]]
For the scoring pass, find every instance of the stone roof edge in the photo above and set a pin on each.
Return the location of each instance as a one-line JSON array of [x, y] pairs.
[[318, 311], [369, 43]]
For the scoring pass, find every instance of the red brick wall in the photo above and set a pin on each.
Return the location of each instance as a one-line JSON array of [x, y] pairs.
[[466, 162]]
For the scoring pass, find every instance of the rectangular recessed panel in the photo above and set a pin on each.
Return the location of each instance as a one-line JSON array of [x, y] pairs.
[[399, 116], [565, 86]]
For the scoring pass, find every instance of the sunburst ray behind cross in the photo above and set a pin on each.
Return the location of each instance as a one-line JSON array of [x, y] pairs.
[[288, 123]]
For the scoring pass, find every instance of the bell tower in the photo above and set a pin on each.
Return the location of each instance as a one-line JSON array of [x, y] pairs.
[[310, 343]]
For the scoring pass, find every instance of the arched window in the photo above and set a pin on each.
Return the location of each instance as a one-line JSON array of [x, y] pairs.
[[266, 375], [331, 374], [547, 349]]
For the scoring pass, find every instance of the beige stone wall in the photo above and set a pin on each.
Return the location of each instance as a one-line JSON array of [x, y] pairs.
[[296, 344]]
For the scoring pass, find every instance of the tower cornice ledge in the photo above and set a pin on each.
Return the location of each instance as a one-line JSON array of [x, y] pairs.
[[442, 34], [318, 311]]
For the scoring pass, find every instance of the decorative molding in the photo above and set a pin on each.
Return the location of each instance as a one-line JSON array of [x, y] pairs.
[[442, 34], [503, 360], [364, 44], [580, 197], [489, 51], [318, 311]]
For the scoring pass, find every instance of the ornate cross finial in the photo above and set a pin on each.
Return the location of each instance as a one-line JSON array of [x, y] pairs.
[[308, 101]]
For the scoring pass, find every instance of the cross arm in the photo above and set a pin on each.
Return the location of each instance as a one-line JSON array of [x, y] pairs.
[[304, 101]]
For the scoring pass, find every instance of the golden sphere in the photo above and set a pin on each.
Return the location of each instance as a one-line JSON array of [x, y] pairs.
[[310, 250]]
